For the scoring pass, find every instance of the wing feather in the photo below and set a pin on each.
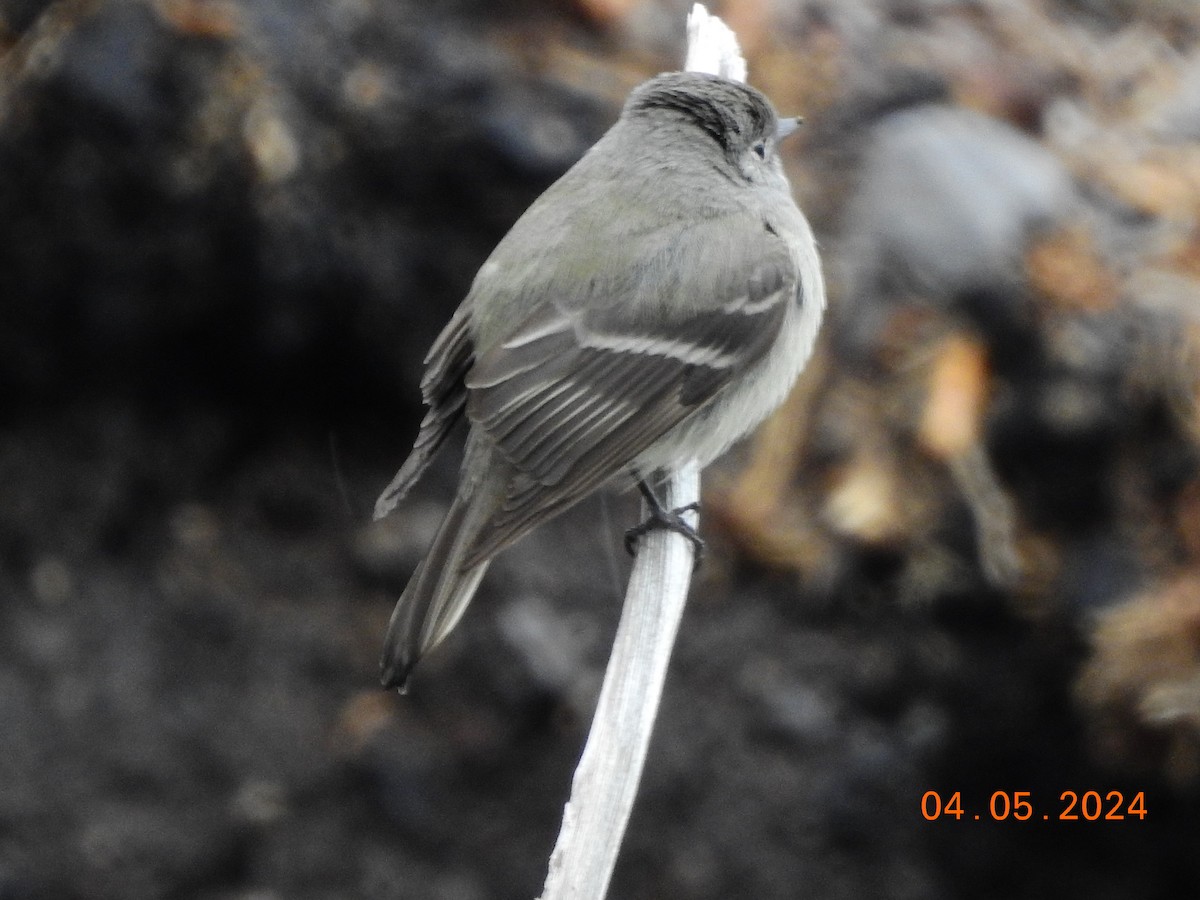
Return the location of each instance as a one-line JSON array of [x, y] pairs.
[[445, 393], [575, 394]]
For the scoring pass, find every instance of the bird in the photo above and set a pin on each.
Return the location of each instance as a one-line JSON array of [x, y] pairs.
[[650, 308]]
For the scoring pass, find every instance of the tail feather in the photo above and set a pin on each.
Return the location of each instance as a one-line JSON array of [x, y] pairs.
[[436, 596]]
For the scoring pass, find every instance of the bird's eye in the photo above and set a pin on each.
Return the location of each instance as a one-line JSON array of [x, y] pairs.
[[761, 149]]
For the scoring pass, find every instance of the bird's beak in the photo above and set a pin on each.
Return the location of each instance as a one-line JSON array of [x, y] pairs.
[[787, 126]]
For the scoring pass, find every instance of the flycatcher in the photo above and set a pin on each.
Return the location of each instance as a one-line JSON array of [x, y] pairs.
[[651, 307]]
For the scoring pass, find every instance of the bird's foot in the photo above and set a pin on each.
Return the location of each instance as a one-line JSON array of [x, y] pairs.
[[662, 518]]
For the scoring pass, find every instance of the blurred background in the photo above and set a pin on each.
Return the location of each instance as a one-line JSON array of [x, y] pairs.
[[964, 557]]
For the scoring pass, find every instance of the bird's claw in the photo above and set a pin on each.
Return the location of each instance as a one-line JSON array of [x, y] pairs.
[[669, 520]]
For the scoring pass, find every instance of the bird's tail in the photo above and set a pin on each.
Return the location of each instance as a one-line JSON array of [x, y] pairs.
[[436, 596]]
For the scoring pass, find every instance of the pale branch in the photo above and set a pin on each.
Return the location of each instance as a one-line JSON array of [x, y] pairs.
[[606, 779]]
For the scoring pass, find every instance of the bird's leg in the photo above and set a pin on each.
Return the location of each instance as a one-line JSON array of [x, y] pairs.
[[660, 517]]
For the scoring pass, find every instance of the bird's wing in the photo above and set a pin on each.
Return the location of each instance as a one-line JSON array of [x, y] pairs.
[[572, 396], [444, 393]]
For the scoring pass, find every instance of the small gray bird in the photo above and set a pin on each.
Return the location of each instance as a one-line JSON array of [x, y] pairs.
[[651, 307]]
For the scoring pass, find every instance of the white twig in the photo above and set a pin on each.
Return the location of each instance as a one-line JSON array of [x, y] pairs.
[[712, 46], [606, 780], [607, 777]]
